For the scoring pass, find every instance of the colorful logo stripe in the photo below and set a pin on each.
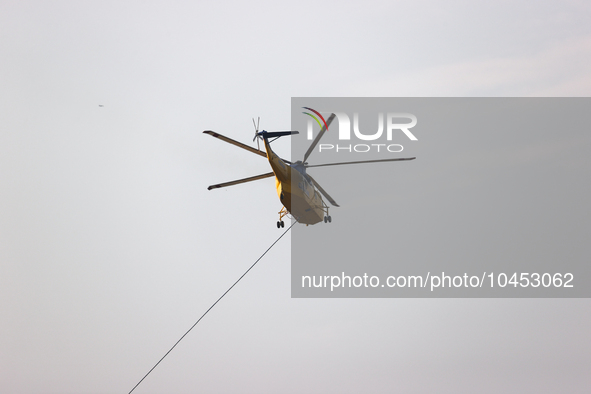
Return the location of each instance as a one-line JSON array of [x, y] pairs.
[[315, 118]]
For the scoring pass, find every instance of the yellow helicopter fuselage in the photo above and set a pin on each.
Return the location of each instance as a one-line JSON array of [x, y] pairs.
[[295, 192]]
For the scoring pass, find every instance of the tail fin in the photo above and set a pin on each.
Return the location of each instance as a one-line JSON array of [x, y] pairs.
[[273, 134]]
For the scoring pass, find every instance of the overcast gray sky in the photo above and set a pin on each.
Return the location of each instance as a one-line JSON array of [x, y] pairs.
[[111, 246]]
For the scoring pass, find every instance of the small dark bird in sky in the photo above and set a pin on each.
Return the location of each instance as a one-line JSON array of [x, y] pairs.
[[100, 105]]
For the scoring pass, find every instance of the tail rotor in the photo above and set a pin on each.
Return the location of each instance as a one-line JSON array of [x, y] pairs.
[[256, 132]]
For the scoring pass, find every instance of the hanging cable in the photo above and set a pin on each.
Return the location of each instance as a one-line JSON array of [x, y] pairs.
[[211, 307]]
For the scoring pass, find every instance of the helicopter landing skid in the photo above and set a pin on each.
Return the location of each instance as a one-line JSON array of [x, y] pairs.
[[282, 214], [327, 218]]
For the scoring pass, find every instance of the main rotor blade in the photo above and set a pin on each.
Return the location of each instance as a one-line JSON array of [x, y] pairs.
[[240, 144], [358, 162], [315, 142], [233, 142], [252, 178], [324, 193]]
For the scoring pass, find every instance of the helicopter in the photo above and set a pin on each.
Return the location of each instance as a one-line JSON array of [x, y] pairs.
[[299, 193]]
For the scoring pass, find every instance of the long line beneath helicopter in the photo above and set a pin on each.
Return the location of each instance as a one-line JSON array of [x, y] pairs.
[[214, 304]]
